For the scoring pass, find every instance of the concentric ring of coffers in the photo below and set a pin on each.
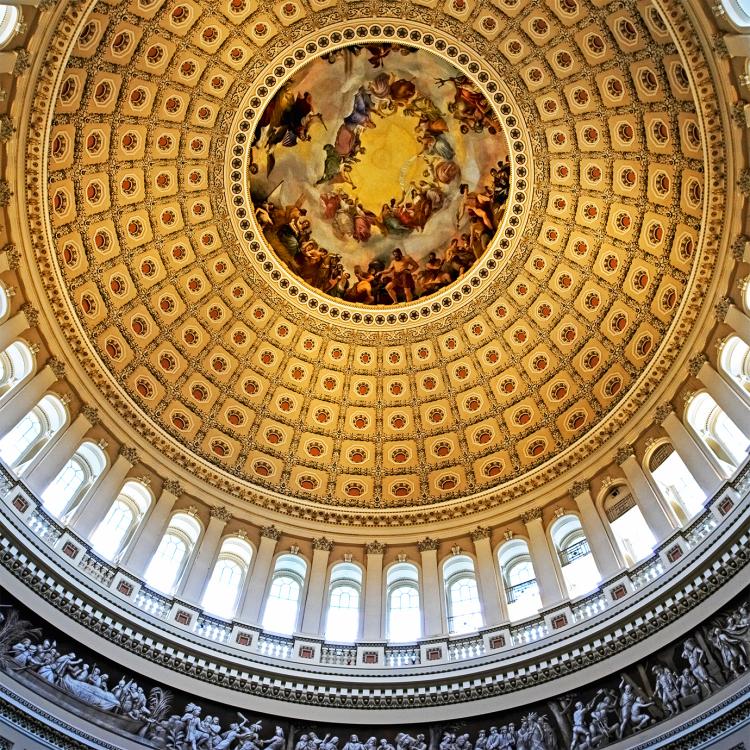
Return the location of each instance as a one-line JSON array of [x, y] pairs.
[[244, 383]]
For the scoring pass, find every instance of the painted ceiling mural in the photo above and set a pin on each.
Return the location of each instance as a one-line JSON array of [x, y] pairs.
[[377, 179], [234, 210]]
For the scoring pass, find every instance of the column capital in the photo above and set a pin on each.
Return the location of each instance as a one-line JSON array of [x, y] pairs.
[[662, 412], [220, 512], [532, 514], [721, 308], [31, 313], [481, 532], [7, 129], [323, 544], [57, 366], [375, 547], [696, 362], [91, 413], [270, 532], [428, 544], [624, 452], [172, 486], [579, 487], [738, 246], [14, 256], [129, 453]]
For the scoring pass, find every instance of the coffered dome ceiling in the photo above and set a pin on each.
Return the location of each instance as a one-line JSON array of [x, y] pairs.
[[204, 174]]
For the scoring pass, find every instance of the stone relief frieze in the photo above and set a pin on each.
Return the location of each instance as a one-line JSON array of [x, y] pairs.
[[658, 687]]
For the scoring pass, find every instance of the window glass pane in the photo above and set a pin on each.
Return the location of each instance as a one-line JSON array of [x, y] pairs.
[[223, 588], [110, 534], [20, 438], [342, 622], [633, 535], [280, 615], [677, 485], [63, 487], [167, 562], [404, 615], [463, 603]]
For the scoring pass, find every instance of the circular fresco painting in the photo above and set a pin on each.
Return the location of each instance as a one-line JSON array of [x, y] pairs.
[[379, 173]]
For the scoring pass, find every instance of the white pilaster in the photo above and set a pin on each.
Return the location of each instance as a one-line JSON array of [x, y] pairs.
[[726, 397], [646, 498], [550, 590], [739, 321], [494, 610], [151, 532], [316, 589], [372, 629], [432, 606], [24, 399], [700, 465], [605, 555], [195, 579], [89, 514], [257, 581], [12, 328]]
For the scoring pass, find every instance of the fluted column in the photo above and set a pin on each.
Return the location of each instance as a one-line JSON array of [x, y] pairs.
[[601, 548], [257, 581], [93, 510], [143, 548], [494, 609], [700, 465], [731, 403], [550, 591], [644, 494], [372, 629], [14, 326], [316, 588], [26, 398], [197, 576], [432, 606], [61, 452]]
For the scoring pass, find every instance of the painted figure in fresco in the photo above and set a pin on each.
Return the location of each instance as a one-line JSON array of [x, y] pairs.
[[400, 275]]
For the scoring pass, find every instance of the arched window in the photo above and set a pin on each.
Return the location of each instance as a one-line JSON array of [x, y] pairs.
[[282, 604], [223, 590], [734, 362], [633, 535], [10, 16], [112, 535], [675, 482], [462, 596], [342, 620], [33, 432], [576, 561], [519, 580], [4, 302], [404, 616], [172, 555], [16, 364], [717, 432], [75, 479]]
